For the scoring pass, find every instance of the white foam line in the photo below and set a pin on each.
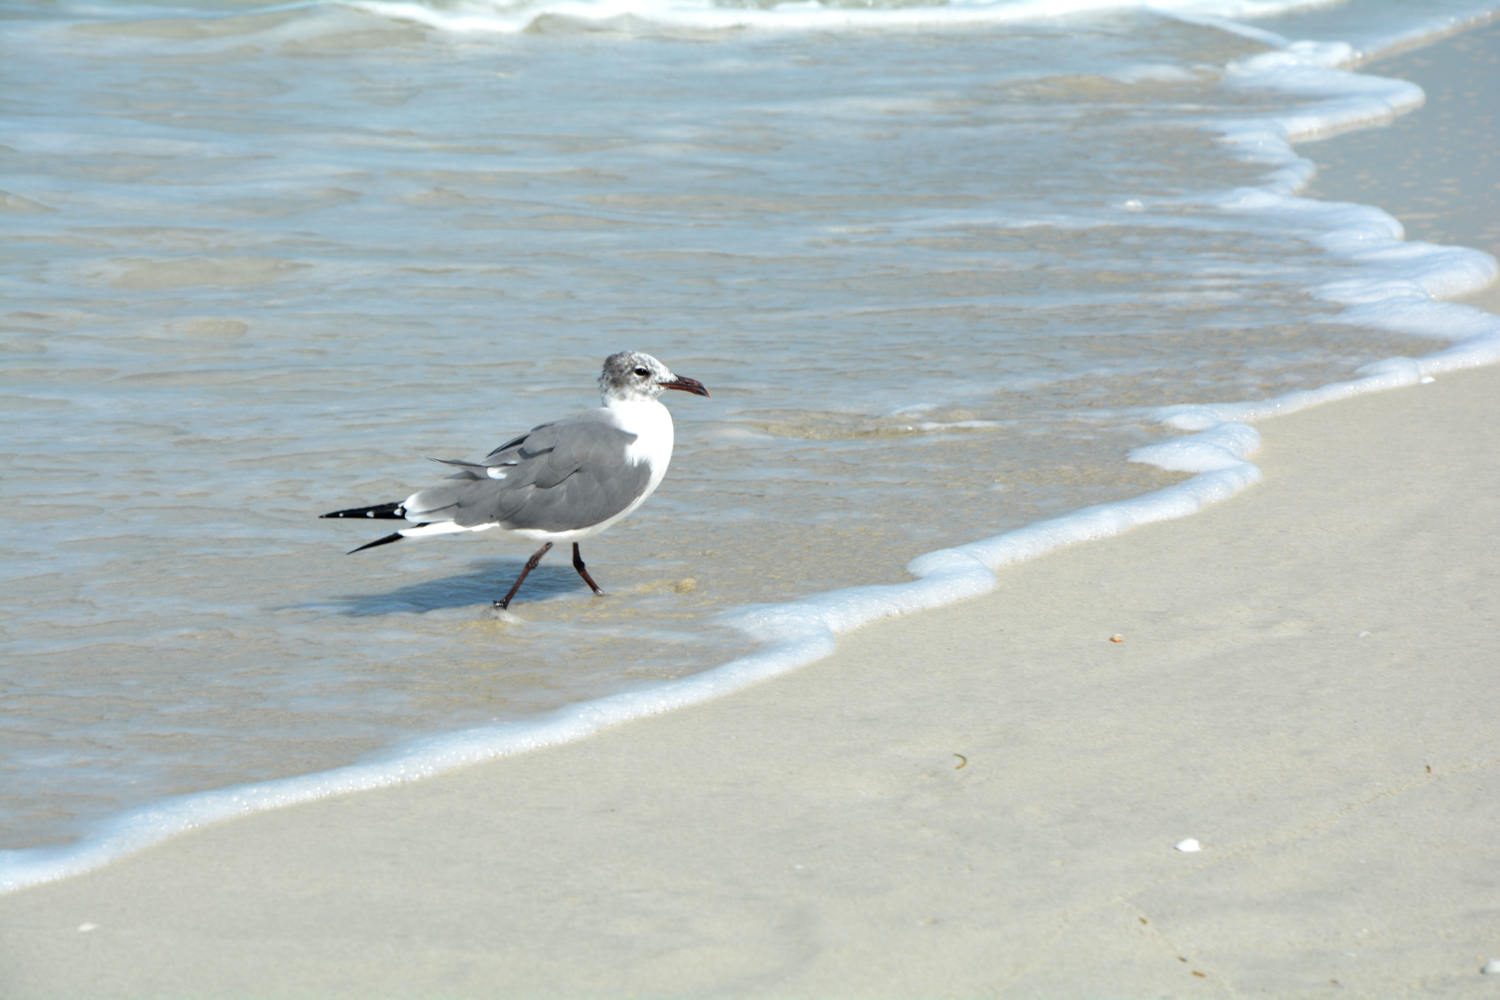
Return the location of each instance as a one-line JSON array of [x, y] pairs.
[[1395, 285], [795, 634], [479, 17]]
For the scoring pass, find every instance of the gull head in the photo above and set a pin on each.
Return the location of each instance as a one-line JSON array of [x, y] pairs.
[[633, 377]]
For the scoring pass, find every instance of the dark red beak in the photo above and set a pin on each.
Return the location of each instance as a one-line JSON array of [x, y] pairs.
[[691, 385]]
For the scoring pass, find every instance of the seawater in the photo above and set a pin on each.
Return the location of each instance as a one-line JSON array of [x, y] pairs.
[[967, 281]]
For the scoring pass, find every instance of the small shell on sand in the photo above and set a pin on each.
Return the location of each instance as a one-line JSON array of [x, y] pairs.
[[1188, 846], [1117, 638], [85, 928], [1492, 967]]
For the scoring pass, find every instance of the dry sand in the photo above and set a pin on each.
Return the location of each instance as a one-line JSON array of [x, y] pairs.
[[1307, 685]]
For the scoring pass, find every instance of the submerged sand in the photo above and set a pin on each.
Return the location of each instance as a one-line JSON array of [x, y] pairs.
[[975, 800]]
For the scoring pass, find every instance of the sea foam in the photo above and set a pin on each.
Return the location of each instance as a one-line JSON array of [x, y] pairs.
[[509, 18]]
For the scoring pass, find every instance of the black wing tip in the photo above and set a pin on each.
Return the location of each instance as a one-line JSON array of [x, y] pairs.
[[394, 536]]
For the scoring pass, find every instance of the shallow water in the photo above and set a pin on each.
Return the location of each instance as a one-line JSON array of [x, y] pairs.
[[264, 260]]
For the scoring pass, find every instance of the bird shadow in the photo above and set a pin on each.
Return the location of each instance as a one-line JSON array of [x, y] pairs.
[[485, 582]]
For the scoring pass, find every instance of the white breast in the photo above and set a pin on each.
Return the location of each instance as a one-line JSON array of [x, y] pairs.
[[651, 423]]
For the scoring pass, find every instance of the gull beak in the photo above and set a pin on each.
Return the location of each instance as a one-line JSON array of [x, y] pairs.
[[686, 384]]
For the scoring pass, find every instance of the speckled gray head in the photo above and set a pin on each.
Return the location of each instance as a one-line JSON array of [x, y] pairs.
[[633, 377]]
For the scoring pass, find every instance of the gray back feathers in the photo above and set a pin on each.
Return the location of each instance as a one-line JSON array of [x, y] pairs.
[[560, 477]]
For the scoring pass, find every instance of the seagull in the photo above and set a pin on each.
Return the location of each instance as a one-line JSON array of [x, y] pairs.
[[559, 482]]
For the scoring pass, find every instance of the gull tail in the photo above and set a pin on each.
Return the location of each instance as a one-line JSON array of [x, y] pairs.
[[384, 511]]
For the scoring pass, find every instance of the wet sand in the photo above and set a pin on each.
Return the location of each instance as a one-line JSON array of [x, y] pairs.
[[975, 800]]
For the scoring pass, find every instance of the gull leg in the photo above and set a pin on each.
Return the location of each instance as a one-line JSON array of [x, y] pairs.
[[583, 570], [530, 565]]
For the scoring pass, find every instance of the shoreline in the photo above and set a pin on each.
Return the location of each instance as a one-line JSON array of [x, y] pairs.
[[794, 840], [655, 757], [1435, 169], [432, 691]]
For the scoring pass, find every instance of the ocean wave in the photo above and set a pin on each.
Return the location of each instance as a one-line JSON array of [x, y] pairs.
[[471, 17]]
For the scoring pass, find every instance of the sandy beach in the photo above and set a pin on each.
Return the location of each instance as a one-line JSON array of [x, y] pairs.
[[977, 800]]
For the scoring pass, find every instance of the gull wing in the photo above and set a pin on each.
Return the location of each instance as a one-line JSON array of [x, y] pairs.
[[561, 476]]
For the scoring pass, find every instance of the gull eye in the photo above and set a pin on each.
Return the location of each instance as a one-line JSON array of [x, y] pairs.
[[642, 372]]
